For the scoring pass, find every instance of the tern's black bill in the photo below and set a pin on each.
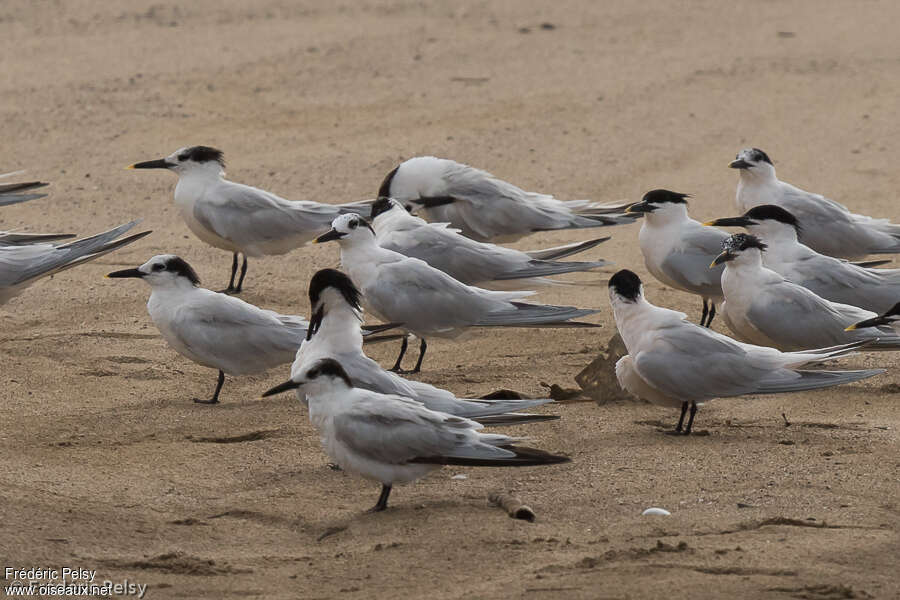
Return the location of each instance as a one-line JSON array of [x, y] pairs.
[[873, 322], [125, 273], [151, 164], [722, 258], [328, 236], [288, 385], [641, 207], [739, 164], [731, 222]]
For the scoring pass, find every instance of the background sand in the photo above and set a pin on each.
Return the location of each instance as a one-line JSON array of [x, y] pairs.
[[106, 463]]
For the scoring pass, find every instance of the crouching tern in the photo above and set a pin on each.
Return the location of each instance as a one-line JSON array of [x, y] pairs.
[[393, 440], [22, 264], [334, 332], [238, 218], [485, 208], [672, 362], [831, 278], [677, 249], [212, 329], [762, 307], [427, 301], [829, 228], [466, 260]]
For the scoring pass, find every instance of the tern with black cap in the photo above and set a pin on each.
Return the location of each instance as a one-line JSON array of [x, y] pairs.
[[241, 219], [393, 440], [427, 301], [672, 362], [831, 278], [762, 307], [829, 228], [677, 249]]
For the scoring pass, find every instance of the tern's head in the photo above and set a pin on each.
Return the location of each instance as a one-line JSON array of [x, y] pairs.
[[192, 159], [387, 206], [348, 228], [753, 162], [891, 319], [163, 271], [661, 204], [329, 289], [416, 178], [326, 375], [625, 288], [767, 221], [742, 248]]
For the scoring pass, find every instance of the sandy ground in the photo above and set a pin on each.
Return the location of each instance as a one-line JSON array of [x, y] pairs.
[[108, 465]]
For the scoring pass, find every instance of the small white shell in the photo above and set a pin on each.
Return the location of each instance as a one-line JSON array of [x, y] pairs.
[[460, 476], [656, 511]]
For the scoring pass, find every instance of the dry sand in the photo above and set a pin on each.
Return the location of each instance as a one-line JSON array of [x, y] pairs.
[[107, 464]]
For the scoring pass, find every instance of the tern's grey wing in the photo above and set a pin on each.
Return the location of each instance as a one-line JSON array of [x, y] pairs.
[[13, 193], [399, 430], [246, 215], [689, 265], [464, 259], [485, 207], [795, 318], [424, 299], [236, 337]]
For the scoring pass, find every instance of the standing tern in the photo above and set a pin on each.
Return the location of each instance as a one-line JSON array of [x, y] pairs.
[[763, 308], [391, 439], [241, 219], [22, 265], [212, 329], [427, 301], [677, 249], [485, 208], [464, 259], [672, 362], [831, 278], [334, 332], [829, 228]]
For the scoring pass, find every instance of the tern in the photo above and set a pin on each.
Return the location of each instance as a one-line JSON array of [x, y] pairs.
[[831, 278], [677, 249], [334, 332], [427, 301], [23, 264], [393, 440], [672, 362], [485, 208], [212, 329], [238, 218], [464, 259], [763, 308], [829, 228]]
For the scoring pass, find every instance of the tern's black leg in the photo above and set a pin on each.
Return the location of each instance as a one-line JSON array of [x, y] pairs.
[[684, 407], [403, 346], [240, 284], [422, 348], [712, 313], [382, 499], [215, 397], [705, 312], [234, 264], [691, 420]]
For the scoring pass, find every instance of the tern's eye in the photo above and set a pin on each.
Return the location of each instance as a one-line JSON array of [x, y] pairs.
[[353, 224], [183, 156], [312, 374], [159, 267]]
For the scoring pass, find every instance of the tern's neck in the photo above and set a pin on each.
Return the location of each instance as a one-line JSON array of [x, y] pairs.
[[635, 319], [340, 328], [325, 402], [669, 215], [775, 236], [359, 255]]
